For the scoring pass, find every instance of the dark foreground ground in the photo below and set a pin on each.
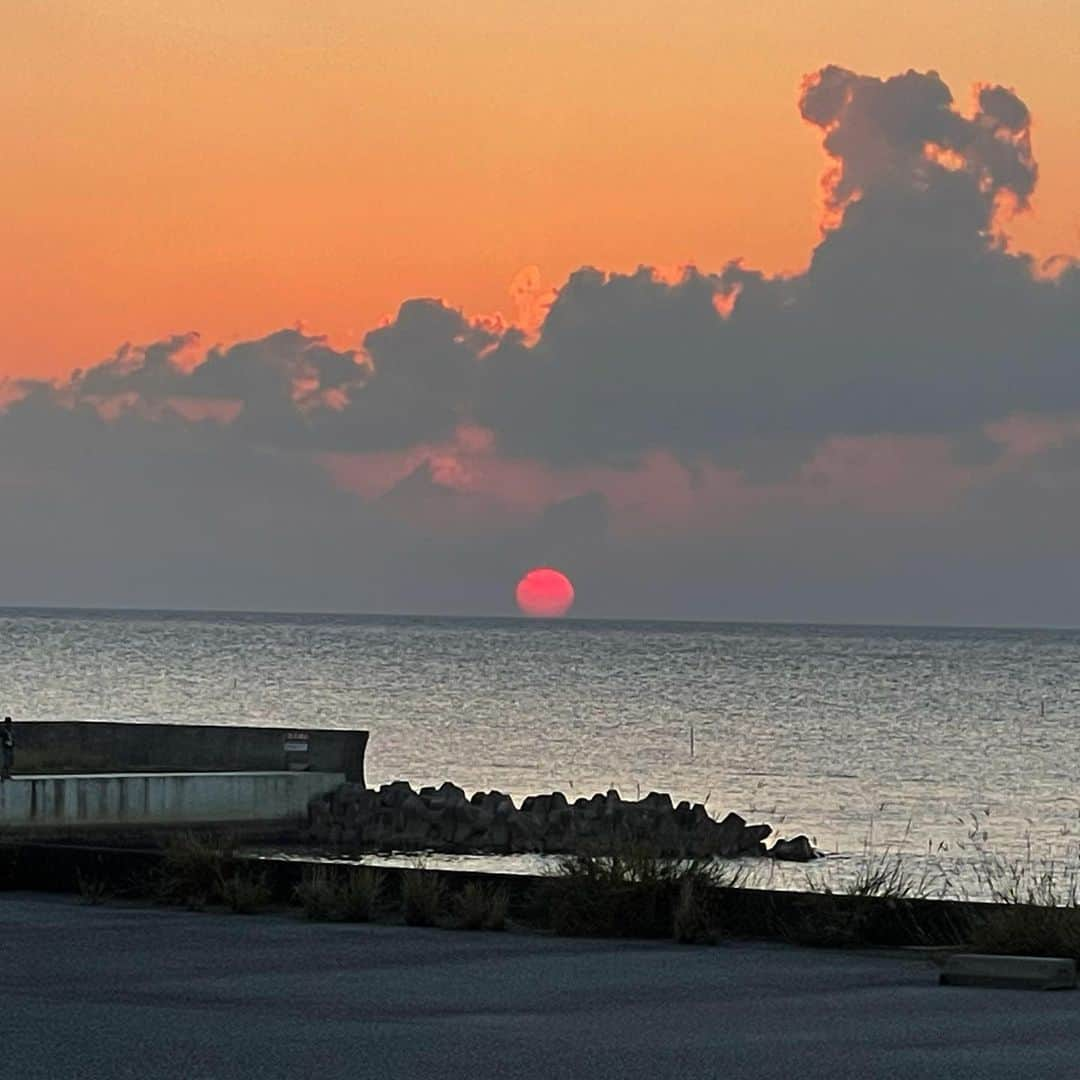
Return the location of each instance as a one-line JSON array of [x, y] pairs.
[[89, 992]]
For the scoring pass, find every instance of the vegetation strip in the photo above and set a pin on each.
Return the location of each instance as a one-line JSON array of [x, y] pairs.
[[628, 894]]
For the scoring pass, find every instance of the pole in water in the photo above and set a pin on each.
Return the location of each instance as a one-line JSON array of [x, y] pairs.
[[1042, 706], [691, 740]]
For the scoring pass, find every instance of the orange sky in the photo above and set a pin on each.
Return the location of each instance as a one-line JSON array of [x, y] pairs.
[[233, 168]]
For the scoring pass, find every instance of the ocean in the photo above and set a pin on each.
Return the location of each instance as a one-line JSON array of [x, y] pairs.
[[951, 747]]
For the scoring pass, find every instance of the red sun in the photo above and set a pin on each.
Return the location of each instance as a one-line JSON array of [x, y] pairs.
[[544, 593]]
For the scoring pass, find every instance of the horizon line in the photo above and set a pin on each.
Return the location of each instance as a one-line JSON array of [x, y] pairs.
[[270, 613]]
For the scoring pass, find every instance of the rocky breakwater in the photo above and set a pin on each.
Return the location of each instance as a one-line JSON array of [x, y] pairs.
[[395, 817]]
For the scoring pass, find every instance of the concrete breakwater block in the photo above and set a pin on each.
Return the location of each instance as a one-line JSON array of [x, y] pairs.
[[444, 819], [1010, 972]]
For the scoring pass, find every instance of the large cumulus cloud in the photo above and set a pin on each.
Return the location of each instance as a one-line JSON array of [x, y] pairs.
[[912, 316]]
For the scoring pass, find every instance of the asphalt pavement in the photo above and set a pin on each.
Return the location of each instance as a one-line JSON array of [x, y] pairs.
[[146, 993]]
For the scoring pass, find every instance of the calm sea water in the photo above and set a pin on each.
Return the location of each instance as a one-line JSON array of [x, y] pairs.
[[949, 743]]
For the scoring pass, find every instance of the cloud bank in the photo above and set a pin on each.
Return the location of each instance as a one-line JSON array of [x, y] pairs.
[[892, 433]]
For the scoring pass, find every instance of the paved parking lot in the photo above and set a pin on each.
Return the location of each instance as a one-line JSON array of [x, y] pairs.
[[117, 992]]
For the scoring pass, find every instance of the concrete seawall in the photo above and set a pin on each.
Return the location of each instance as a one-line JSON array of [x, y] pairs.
[[68, 747], [161, 799]]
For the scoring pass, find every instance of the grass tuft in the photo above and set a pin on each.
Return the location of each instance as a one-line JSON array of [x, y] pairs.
[[361, 893], [93, 889], [884, 876], [326, 895], [693, 922], [422, 894], [1035, 910], [481, 907], [244, 893], [631, 893], [192, 869], [317, 894]]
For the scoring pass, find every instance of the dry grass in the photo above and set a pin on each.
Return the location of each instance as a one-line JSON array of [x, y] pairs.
[[422, 897], [631, 893], [481, 907], [361, 894], [887, 877], [1042, 883], [317, 894], [327, 894], [693, 922], [244, 893], [93, 889], [1034, 907], [1035, 910], [192, 869]]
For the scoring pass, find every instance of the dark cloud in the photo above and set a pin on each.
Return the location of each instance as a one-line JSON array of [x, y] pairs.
[[624, 364], [903, 135], [570, 533], [424, 365], [150, 371], [913, 316]]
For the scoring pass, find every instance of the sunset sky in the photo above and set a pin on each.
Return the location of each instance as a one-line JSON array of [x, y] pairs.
[[232, 168], [405, 389]]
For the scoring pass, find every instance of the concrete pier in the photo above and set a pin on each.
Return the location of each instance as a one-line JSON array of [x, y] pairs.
[[159, 799], [79, 748]]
